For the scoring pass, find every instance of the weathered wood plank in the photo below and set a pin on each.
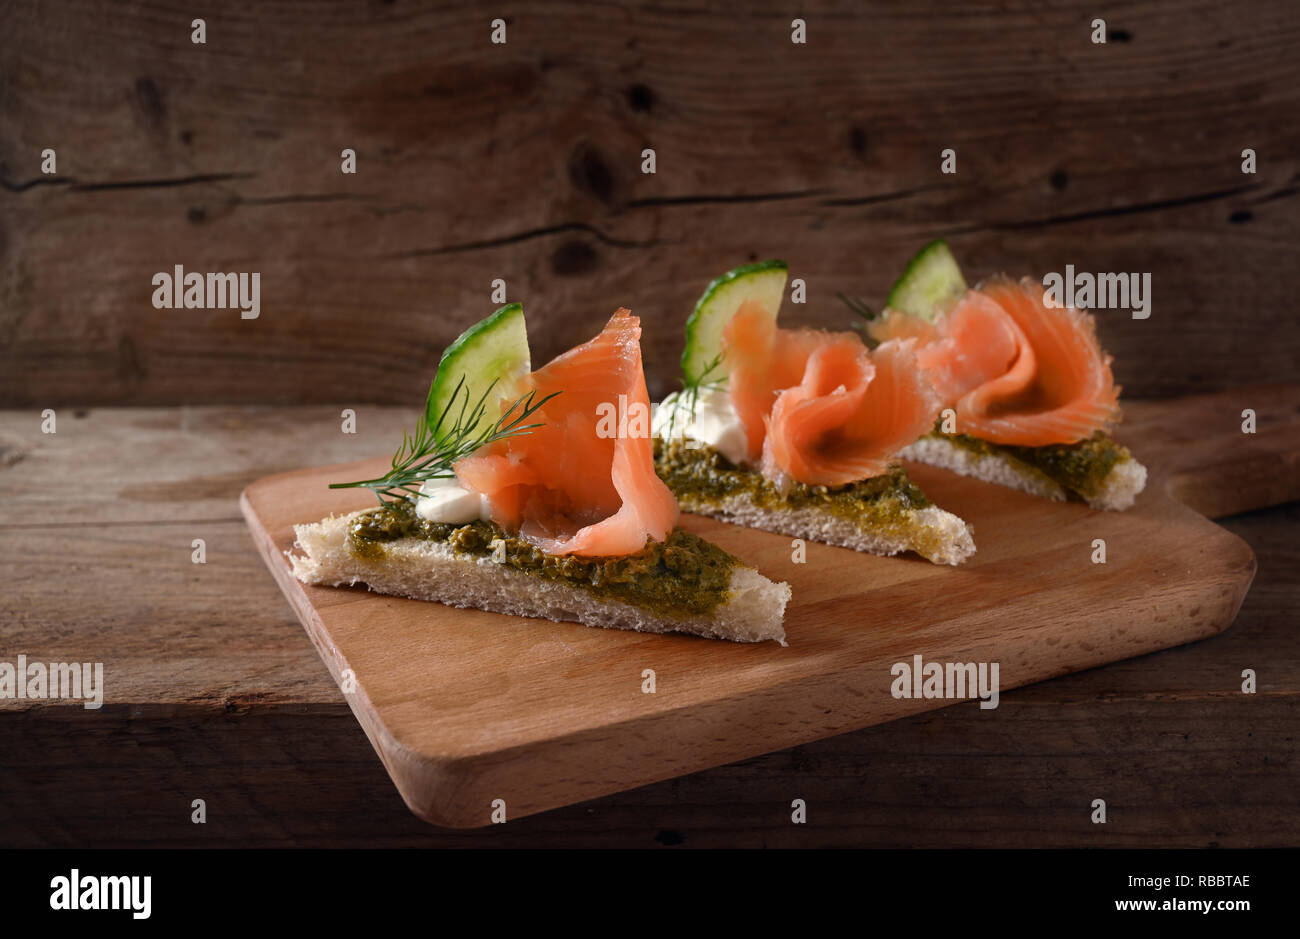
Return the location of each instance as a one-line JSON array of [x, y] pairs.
[[1180, 757], [168, 631], [522, 162], [171, 465], [214, 692]]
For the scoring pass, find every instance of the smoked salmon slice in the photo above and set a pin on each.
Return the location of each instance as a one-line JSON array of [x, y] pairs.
[[1016, 371], [565, 486], [818, 407]]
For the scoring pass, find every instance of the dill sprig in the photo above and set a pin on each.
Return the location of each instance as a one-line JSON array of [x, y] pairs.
[[858, 306], [430, 452], [867, 314], [690, 393]]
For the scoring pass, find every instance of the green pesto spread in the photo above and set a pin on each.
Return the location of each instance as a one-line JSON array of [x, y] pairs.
[[1079, 468], [703, 479], [682, 577]]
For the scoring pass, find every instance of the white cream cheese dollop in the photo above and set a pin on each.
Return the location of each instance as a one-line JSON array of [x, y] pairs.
[[444, 501], [714, 422]]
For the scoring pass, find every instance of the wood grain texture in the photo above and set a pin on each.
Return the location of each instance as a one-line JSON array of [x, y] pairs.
[[466, 707], [522, 162], [1205, 459], [213, 692]]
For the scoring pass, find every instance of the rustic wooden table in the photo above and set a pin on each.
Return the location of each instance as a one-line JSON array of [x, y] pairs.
[[523, 161], [213, 691]]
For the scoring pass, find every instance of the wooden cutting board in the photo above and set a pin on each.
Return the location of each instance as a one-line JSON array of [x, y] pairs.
[[466, 707]]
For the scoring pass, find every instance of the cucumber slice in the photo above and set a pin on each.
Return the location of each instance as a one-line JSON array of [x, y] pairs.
[[494, 348], [763, 283], [931, 279]]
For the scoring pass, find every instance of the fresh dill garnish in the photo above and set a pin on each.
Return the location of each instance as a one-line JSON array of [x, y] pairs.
[[690, 393], [858, 306], [430, 452], [868, 315]]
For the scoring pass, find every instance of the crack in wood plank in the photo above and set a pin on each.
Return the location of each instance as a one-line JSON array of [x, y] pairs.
[[1288, 189], [38, 181], [518, 237], [1111, 212], [166, 183], [881, 197]]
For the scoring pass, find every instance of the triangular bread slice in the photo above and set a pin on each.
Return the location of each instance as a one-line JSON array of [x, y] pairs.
[[752, 608], [1114, 487], [886, 515]]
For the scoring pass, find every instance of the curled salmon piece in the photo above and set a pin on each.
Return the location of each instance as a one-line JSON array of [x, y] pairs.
[[818, 407], [564, 486], [1019, 372]]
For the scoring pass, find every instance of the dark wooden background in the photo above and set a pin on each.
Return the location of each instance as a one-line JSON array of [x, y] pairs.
[[522, 161]]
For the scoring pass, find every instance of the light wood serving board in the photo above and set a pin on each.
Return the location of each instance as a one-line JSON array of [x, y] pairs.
[[466, 707]]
